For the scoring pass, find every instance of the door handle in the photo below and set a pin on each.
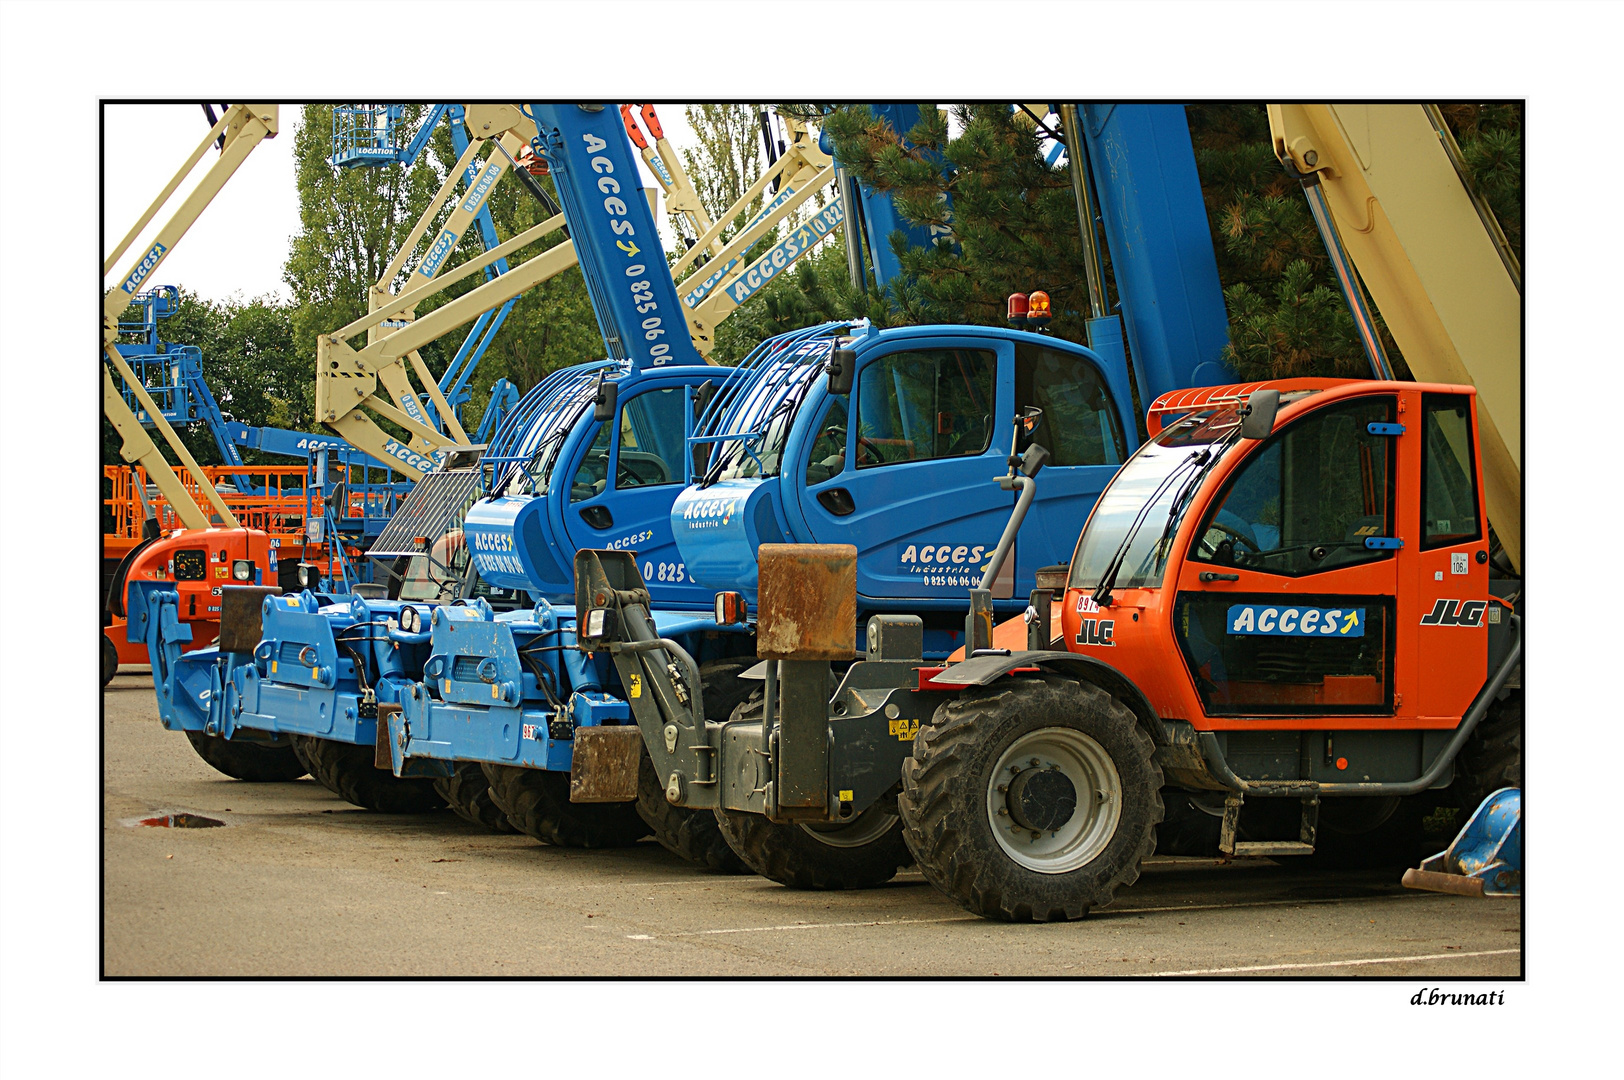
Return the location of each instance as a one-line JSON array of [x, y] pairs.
[[837, 501], [598, 517], [1209, 575]]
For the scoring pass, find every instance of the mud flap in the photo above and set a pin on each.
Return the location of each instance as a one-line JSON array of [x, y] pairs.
[[380, 742], [603, 768]]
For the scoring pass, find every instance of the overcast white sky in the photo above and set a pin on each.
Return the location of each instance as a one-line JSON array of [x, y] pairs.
[[238, 246]]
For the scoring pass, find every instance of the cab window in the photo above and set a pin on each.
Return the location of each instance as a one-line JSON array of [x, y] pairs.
[[1448, 476], [828, 455], [925, 404], [1308, 499], [652, 432], [1079, 425]]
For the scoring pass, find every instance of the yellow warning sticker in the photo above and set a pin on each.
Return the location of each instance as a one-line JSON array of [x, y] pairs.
[[219, 571], [445, 686], [496, 691], [273, 667], [903, 729], [845, 796], [636, 688]]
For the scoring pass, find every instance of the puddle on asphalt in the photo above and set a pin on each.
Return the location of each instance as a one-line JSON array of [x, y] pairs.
[[180, 821]]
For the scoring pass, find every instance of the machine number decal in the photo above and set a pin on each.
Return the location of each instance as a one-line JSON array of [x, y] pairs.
[[1459, 562], [676, 573], [904, 730], [1455, 613], [531, 732], [1278, 621]]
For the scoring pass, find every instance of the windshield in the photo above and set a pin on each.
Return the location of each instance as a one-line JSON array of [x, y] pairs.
[[1159, 473], [436, 575], [769, 409]]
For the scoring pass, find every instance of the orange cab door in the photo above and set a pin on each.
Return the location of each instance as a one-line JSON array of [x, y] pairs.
[[1287, 608], [1444, 619]]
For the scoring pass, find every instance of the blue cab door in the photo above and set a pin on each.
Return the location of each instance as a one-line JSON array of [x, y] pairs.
[[620, 492], [905, 468]]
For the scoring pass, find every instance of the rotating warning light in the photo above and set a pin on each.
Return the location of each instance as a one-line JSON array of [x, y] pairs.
[[1038, 312], [1018, 307]]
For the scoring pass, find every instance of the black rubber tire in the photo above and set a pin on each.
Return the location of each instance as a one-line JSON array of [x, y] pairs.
[[1493, 757], [537, 802], [468, 793], [109, 660], [944, 804], [794, 855], [695, 834], [347, 770], [246, 760]]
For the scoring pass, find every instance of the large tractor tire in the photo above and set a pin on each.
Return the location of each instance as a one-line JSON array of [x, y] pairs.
[[468, 793], [860, 854], [246, 760], [695, 834], [1032, 799], [109, 660], [537, 802], [347, 770], [1493, 757]]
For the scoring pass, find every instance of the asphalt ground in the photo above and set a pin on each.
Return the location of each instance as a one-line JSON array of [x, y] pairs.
[[300, 883]]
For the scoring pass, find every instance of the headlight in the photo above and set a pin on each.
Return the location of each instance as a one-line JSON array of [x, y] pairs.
[[309, 576], [243, 569], [410, 621]]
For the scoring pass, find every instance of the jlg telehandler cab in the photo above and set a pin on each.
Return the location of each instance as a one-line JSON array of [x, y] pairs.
[[1284, 596]]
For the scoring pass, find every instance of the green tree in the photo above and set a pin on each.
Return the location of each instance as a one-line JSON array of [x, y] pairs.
[[351, 222], [726, 159]]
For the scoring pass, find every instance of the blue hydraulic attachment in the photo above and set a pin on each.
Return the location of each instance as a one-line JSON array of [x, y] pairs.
[[1485, 859]]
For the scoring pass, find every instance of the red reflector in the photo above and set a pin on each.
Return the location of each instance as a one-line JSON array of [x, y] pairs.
[[926, 674]]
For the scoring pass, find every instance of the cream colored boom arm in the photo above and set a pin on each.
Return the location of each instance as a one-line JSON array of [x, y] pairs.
[[242, 127], [1430, 263], [347, 378], [388, 390]]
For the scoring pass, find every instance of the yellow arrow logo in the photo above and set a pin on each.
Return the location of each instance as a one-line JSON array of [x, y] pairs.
[[629, 249]]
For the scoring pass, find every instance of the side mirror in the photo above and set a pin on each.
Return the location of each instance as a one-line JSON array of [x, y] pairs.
[[702, 397], [603, 402], [842, 370], [1257, 415]]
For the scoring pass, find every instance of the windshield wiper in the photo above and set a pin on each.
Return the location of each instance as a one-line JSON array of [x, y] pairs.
[[1102, 592]]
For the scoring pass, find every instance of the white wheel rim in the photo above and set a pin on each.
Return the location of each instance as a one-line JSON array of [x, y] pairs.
[[1078, 840]]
